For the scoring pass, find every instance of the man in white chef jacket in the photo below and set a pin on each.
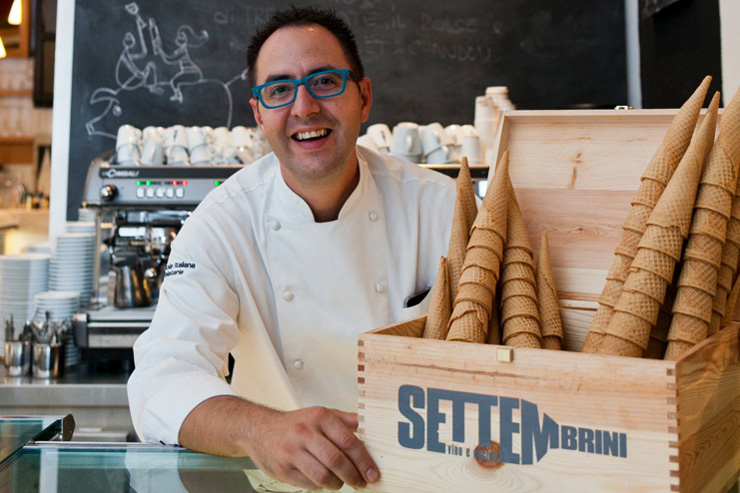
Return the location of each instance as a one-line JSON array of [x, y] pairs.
[[284, 264]]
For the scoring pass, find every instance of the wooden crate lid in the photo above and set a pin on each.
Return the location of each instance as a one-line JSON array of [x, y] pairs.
[[575, 173]]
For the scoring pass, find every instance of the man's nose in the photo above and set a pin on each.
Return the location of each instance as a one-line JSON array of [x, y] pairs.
[[304, 104]]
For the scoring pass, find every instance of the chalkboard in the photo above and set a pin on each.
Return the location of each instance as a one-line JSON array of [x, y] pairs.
[[183, 61]]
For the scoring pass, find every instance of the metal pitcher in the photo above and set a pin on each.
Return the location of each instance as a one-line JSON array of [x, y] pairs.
[[131, 289]]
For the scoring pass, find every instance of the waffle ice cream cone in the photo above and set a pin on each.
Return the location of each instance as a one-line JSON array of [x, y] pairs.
[[677, 137], [698, 275], [676, 349], [725, 161], [616, 345], [658, 263], [494, 326], [620, 267], [694, 302], [648, 193], [704, 248], [440, 306], [610, 294], [677, 202], [519, 312], [465, 212], [655, 177], [468, 323], [518, 271], [638, 216], [714, 197], [547, 297], [519, 287], [732, 299], [628, 244], [524, 339], [522, 332], [710, 223], [730, 256]]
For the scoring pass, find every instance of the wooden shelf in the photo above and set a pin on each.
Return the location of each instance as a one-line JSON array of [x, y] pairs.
[[16, 150], [16, 93]]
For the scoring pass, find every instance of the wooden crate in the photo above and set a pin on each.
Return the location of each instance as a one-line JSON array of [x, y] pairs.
[[557, 421]]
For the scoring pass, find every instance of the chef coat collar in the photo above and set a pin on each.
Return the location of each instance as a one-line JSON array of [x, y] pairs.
[[299, 209]]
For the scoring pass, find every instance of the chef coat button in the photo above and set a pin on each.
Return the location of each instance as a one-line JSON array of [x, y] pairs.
[[298, 364], [380, 287], [373, 216], [287, 295], [276, 225]]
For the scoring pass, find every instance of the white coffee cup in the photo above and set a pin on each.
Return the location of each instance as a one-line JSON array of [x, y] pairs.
[[128, 140], [455, 133], [153, 153], [176, 145], [434, 143], [407, 141], [223, 146], [381, 135], [196, 137], [471, 148]]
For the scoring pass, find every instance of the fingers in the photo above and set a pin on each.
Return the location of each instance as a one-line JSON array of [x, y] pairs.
[[319, 473], [353, 458], [349, 419], [297, 478]]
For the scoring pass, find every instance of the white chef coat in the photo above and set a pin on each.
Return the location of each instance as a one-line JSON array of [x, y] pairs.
[[252, 273]]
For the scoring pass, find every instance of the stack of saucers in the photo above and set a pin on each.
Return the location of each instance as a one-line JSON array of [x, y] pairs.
[[40, 247], [81, 227], [22, 275], [61, 305], [71, 267], [86, 215]]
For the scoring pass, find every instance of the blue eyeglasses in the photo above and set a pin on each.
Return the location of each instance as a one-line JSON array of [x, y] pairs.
[[321, 85]]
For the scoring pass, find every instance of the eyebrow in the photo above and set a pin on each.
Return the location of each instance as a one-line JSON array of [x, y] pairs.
[[277, 77]]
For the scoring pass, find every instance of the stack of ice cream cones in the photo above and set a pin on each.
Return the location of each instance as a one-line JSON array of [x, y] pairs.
[[653, 182], [466, 209], [445, 288], [659, 250], [440, 307], [697, 285], [520, 316], [473, 306], [728, 146], [547, 299]]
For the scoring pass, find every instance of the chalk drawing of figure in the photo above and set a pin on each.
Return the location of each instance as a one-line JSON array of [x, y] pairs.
[[189, 73], [143, 63], [129, 75]]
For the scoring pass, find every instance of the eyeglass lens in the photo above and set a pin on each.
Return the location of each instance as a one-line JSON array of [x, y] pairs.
[[322, 85]]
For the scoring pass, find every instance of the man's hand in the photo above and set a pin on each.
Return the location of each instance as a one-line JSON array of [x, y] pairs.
[[312, 448]]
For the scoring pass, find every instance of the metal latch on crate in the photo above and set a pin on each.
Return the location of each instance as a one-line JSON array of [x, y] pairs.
[[624, 107]]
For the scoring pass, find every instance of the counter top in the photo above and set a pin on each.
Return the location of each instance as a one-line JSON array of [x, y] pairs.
[[78, 387], [98, 401], [59, 466]]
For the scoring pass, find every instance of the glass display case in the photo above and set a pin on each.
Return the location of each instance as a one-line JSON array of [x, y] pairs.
[[36, 455]]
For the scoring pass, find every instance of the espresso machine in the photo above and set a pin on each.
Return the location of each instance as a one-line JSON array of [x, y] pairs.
[[138, 212]]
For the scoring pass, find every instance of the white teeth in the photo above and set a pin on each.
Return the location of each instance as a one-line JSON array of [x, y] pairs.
[[311, 135]]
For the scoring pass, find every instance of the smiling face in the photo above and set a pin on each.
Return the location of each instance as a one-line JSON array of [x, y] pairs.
[[314, 139]]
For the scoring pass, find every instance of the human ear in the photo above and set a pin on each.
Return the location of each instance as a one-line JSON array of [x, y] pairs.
[[366, 97]]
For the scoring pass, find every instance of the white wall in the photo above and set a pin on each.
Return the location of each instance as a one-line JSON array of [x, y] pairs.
[[729, 18], [62, 115], [632, 35]]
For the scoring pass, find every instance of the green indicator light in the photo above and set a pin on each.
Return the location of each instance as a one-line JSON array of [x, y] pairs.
[[217, 183], [149, 182], [138, 183]]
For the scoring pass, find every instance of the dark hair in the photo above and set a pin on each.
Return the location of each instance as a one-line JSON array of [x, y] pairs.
[[302, 16]]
